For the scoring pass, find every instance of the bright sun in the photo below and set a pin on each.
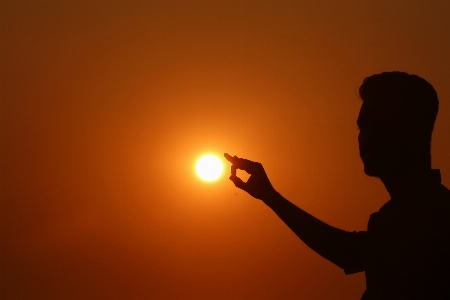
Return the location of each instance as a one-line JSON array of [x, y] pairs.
[[209, 167]]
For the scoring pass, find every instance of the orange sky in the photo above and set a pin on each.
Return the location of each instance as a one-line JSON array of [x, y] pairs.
[[105, 106]]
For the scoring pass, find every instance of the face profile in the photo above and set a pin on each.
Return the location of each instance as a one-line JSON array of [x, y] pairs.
[[371, 140], [379, 139], [396, 121]]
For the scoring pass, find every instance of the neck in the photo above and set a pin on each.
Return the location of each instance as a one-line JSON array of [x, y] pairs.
[[406, 182]]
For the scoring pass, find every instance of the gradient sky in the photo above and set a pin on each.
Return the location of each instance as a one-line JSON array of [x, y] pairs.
[[105, 107]]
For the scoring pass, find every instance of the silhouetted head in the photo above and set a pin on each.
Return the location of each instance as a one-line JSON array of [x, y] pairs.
[[396, 121]]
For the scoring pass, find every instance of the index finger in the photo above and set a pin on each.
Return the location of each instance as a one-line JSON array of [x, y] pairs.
[[242, 163], [230, 158]]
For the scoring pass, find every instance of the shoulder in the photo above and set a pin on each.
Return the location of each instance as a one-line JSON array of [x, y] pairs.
[[426, 209]]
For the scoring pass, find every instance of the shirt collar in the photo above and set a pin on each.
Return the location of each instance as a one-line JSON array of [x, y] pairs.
[[435, 176]]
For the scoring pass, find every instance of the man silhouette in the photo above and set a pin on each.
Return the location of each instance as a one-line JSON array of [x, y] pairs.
[[405, 251]]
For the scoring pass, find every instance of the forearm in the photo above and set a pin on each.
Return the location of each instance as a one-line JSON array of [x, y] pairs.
[[331, 243]]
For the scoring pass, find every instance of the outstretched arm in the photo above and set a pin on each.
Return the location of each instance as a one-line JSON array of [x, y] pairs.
[[336, 245]]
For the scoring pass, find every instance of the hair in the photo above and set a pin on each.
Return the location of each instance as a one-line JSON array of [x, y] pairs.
[[406, 97]]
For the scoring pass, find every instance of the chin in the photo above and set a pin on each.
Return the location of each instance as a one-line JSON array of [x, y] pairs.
[[372, 169], [372, 172]]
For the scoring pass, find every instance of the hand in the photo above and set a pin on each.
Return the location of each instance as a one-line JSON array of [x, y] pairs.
[[258, 185]]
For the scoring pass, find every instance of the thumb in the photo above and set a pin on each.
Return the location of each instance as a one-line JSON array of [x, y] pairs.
[[238, 182]]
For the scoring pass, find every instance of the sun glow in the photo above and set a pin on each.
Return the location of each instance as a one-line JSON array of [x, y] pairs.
[[209, 167]]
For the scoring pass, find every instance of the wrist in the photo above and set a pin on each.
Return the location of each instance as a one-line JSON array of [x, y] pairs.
[[271, 197]]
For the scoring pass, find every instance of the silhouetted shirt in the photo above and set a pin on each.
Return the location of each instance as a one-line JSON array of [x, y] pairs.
[[405, 251]]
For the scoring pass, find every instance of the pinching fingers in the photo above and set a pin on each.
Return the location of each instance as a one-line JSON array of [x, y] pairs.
[[233, 170], [238, 182]]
